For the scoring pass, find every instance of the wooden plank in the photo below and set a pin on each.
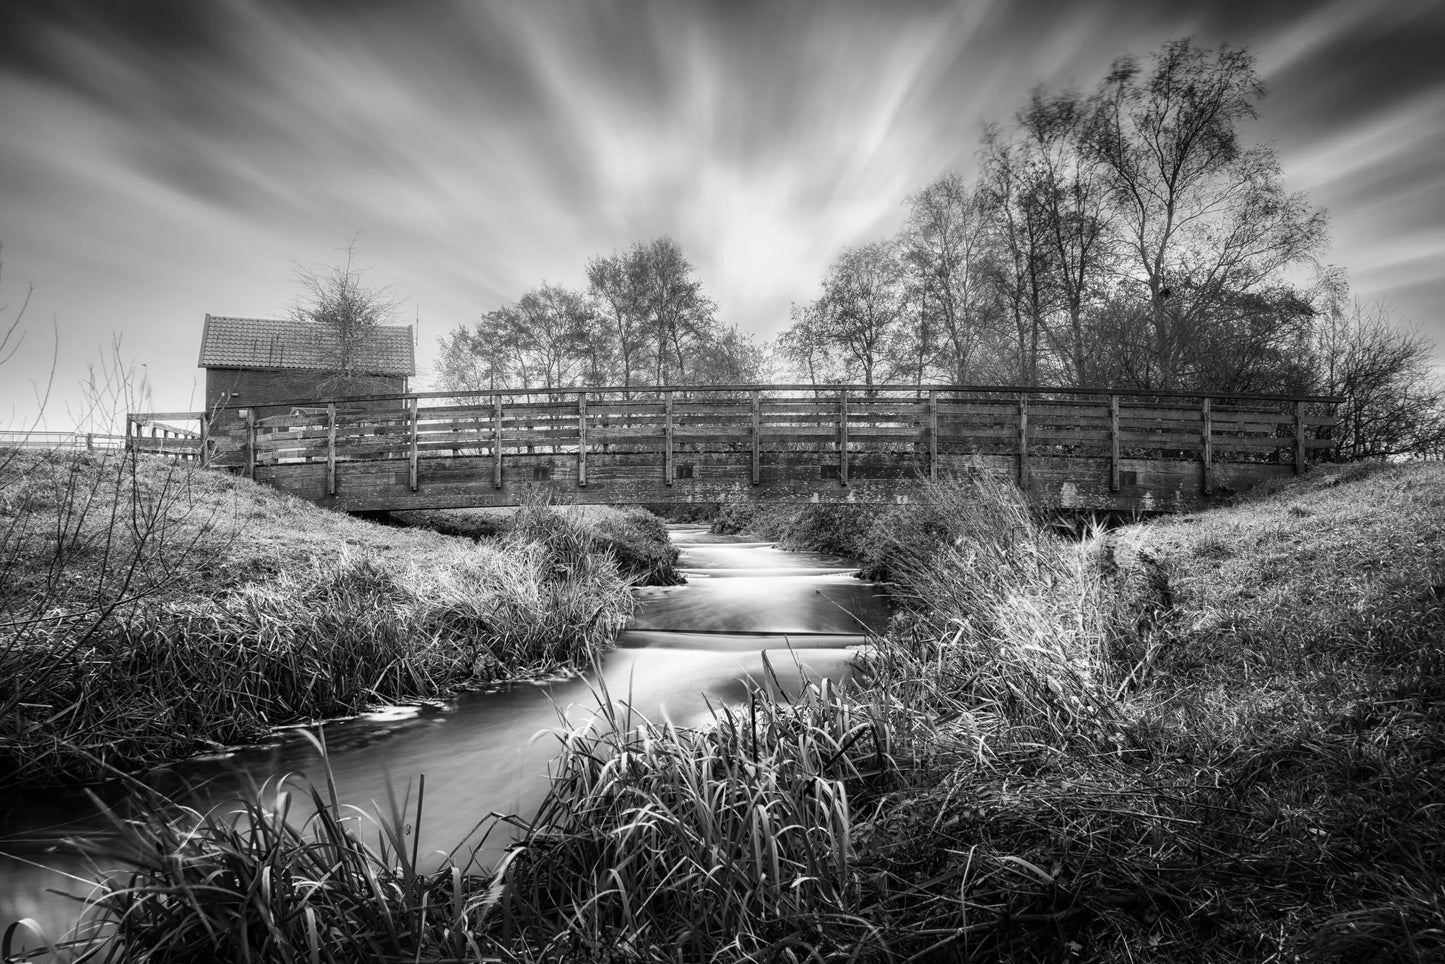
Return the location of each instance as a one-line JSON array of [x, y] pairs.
[[331, 449], [1023, 443], [757, 438], [1248, 417], [1113, 443], [582, 439], [1249, 444], [1039, 411], [1046, 436], [843, 437], [1206, 452], [856, 431]]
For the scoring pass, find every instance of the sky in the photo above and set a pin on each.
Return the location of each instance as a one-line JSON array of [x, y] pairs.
[[164, 160]]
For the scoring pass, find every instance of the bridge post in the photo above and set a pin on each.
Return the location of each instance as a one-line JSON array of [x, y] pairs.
[[1024, 441], [582, 439], [843, 436], [330, 448], [1113, 443], [1207, 447], [1299, 438], [667, 467], [250, 443], [932, 434], [414, 411], [496, 441], [757, 438]]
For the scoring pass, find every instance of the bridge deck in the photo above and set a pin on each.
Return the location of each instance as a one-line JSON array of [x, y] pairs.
[[1070, 448]]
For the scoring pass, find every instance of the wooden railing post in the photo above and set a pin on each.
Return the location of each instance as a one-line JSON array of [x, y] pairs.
[[843, 436], [496, 441], [414, 408], [1024, 441], [250, 443], [1299, 438], [330, 448], [582, 439], [757, 437], [1206, 447], [1113, 443], [667, 466], [933, 435]]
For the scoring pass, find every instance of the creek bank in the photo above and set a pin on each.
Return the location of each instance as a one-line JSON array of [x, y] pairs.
[[149, 610]]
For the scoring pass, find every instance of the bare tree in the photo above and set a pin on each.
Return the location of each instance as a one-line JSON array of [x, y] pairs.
[[861, 310], [1021, 268], [944, 246], [338, 298], [1394, 400], [1202, 217], [1068, 194], [806, 347]]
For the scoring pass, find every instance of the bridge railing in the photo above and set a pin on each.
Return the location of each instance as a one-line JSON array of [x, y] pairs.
[[756, 432]]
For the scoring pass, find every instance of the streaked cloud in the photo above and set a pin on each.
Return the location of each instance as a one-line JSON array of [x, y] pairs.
[[162, 159]]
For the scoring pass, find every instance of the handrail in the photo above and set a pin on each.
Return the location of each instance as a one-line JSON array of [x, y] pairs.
[[920, 389]]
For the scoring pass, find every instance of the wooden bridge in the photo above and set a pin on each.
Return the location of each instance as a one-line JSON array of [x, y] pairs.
[[1070, 448]]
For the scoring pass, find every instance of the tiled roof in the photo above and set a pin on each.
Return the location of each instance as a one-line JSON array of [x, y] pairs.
[[282, 343]]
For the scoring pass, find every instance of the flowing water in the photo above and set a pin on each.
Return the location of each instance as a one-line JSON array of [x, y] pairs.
[[687, 648]]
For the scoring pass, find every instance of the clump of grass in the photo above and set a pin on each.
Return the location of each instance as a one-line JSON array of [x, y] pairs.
[[286, 873], [730, 842], [839, 529], [636, 538]]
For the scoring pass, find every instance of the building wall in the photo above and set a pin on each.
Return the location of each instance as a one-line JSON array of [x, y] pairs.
[[234, 389]]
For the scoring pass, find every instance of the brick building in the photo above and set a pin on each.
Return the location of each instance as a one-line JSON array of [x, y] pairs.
[[253, 362]]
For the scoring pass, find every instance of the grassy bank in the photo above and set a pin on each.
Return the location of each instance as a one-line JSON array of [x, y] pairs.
[[1209, 738], [148, 610]]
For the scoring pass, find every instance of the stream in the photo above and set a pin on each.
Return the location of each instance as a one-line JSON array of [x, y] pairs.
[[687, 647]]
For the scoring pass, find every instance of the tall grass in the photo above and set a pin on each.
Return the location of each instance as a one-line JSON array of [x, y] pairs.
[[285, 874], [1113, 749], [175, 657]]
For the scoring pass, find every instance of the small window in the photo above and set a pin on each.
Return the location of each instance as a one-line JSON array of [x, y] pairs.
[[682, 471], [829, 472], [542, 473], [1128, 477]]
